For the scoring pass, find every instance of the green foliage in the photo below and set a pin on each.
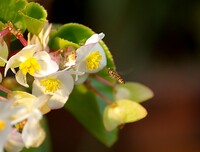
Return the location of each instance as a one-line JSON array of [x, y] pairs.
[[83, 104], [74, 32], [9, 11], [34, 17], [23, 15], [133, 91], [60, 43]]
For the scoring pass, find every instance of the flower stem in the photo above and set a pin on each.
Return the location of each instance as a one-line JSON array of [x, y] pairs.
[[4, 32], [89, 86], [3, 98], [21, 38], [17, 33], [4, 89], [103, 80]]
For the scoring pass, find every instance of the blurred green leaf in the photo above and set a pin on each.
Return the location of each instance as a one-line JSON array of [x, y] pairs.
[[133, 91], [74, 32], [34, 16], [46, 145], [9, 11], [84, 106], [60, 43], [23, 15], [77, 34]]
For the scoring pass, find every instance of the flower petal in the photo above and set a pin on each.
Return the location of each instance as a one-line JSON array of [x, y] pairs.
[[103, 61], [14, 142], [21, 78], [60, 96], [95, 38], [33, 135], [21, 56], [83, 52], [81, 78], [48, 66], [3, 52], [4, 135]]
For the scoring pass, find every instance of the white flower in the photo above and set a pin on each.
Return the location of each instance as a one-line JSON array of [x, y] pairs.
[[14, 142], [29, 61], [59, 85], [6, 121], [91, 57], [5, 129], [41, 39], [29, 101], [32, 133]]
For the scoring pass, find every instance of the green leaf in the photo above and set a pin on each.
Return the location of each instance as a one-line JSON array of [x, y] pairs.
[[76, 34], [121, 112], [60, 43], [46, 145], [84, 106], [9, 11], [133, 91], [34, 16], [23, 15], [1, 25]]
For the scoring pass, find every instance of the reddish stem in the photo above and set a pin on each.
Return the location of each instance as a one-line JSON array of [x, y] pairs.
[[88, 84], [4, 32], [4, 89], [103, 80], [17, 33], [21, 38], [3, 98]]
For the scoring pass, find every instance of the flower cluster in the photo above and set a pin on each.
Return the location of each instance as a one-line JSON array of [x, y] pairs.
[[50, 76], [55, 64], [54, 75]]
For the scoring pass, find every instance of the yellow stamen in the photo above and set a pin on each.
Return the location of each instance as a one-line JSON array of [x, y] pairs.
[[29, 66], [19, 126], [2, 125], [50, 84], [93, 60]]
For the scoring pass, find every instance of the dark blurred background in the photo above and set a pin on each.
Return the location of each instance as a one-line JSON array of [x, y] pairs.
[[156, 43]]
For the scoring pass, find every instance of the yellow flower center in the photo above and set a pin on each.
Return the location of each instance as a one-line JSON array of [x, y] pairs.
[[50, 84], [2, 125], [29, 66], [19, 126], [93, 60]]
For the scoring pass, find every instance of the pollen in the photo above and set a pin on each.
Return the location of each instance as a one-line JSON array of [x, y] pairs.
[[51, 84], [93, 60], [2, 125], [29, 66], [19, 126]]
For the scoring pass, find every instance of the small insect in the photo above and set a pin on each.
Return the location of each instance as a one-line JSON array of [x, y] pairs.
[[115, 75]]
